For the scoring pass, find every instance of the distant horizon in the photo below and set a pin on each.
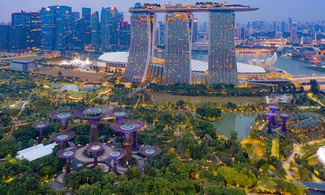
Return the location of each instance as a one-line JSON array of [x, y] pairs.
[[275, 10]]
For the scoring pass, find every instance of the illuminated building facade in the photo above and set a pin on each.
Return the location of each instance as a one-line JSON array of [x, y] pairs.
[[110, 19], [4, 37], [178, 48], [141, 47], [124, 35], [222, 57], [178, 43], [56, 28], [81, 31], [95, 31]]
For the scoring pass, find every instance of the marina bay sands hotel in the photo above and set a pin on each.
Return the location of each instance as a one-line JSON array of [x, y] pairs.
[[177, 68]]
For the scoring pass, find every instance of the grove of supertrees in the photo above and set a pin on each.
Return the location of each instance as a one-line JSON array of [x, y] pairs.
[[272, 114], [149, 151], [93, 115], [40, 125]]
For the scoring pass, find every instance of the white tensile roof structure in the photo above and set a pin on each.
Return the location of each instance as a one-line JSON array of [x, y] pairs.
[[197, 65], [36, 152], [321, 154], [73, 88]]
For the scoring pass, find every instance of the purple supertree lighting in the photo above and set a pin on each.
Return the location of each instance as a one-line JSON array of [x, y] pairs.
[[63, 117], [270, 117], [117, 154], [273, 109], [62, 137], [67, 154], [284, 117], [120, 114], [95, 148], [93, 115], [129, 128], [149, 151], [40, 125]]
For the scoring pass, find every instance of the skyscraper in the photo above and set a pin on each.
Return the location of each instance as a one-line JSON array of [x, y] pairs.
[[195, 31], [110, 18], [4, 37], [81, 30], [95, 31], [178, 48], [124, 35], [222, 59], [86, 16], [141, 47], [56, 28]]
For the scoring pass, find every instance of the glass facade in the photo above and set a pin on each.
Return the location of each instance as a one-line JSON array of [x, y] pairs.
[[95, 31], [110, 19], [178, 48], [222, 58], [141, 47]]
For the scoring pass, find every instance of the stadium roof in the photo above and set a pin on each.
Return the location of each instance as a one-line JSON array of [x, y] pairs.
[[197, 65], [321, 154], [36, 152]]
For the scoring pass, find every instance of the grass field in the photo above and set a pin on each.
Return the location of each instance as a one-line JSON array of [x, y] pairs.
[[165, 98], [94, 77]]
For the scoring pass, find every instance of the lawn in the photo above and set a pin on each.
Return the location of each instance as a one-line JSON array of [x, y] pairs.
[[165, 98]]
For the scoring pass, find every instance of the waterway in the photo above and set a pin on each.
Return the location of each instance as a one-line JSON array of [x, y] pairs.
[[293, 67], [240, 123]]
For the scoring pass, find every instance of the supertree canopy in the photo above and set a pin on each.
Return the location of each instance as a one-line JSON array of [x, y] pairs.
[[95, 147], [93, 115], [63, 117], [128, 128], [62, 137], [116, 154], [149, 151], [40, 125], [120, 114], [67, 154]]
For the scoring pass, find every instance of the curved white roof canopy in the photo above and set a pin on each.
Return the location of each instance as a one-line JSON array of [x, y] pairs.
[[197, 65], [321, 154]]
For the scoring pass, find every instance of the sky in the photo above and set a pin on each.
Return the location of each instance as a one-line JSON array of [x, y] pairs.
[[270, 10]]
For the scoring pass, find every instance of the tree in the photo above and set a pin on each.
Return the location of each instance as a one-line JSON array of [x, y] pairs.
[[314, 87]]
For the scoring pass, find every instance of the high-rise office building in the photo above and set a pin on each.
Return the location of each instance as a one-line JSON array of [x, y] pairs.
[[18, 34], [141, 46], [177, 67], [56, 28], [124, 35], [75, 16], [4, 37], [86, 16], [81, 31], [195, 31], [95, 31], [110, 19], [222, 58]]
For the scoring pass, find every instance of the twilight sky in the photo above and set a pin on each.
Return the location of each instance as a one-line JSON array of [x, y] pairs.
[[271, 10]]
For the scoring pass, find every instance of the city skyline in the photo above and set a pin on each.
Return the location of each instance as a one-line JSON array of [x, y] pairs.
[[301, 11]]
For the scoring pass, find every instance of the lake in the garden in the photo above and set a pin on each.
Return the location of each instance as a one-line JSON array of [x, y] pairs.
[[238, 122]]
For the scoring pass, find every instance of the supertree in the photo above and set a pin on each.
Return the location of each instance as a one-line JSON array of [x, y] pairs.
[[40, 125], [62, 137], [67, 154], [270, 117], [273, 109], [95, 147], [63, 117], [128, 128], [149, 151], [93, 115], [117, 154], [120, 114], [284, 117]]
